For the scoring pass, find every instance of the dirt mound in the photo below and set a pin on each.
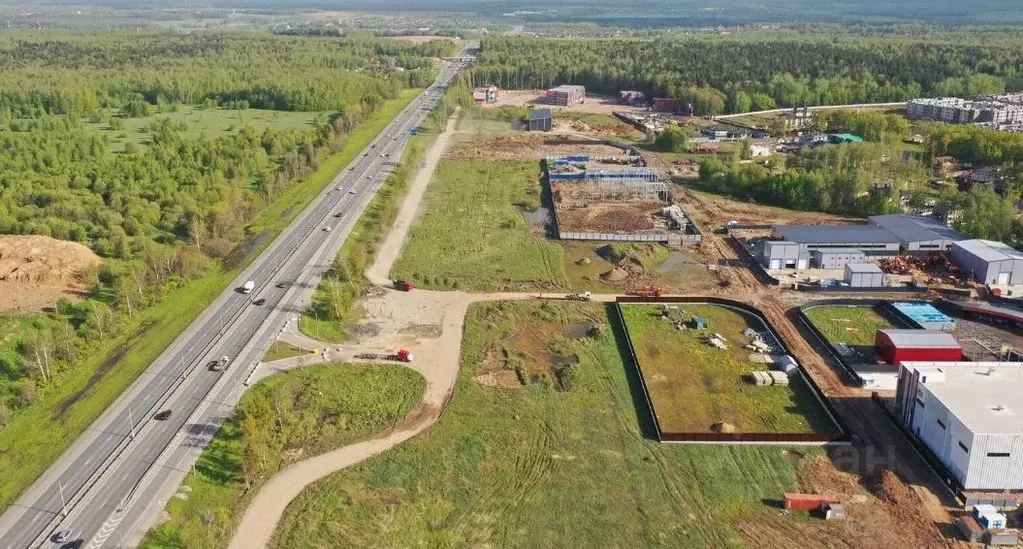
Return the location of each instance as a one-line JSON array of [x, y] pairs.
[[35, 271], [890, 488], [723, 427], [615, 275]]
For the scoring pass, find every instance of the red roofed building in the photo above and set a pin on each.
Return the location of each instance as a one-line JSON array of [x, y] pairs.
[[917, 345]]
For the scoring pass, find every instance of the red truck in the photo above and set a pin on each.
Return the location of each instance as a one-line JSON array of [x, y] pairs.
[[404, 285]]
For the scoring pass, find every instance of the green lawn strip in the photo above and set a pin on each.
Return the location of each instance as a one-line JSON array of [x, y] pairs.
[[282, 419], [694, 385], [280, 350], [855, 326], [472, 233], [36, 436], [537, 467]]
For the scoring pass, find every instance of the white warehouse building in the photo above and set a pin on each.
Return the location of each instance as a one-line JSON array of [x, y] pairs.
[[970, 415]]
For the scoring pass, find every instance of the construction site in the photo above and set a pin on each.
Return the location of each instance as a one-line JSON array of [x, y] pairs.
[[615, 198]]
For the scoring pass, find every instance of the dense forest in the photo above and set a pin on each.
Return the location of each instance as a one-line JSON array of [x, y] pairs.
[[739, 74], [163, 213]]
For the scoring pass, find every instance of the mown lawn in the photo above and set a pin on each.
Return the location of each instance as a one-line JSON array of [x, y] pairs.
[[694, 386], [282, 419], [33, 438], [472, 235], [538, 466], [854, 326]]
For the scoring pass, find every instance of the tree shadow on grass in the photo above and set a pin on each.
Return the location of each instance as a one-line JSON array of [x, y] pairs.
[[639, 398]]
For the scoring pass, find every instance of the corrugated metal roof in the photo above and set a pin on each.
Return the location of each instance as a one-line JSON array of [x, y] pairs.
[[921, 339], [989, 250], [836, 234], [868, 268], [985, 396], [539, 114], [915, 228], [843, 251]]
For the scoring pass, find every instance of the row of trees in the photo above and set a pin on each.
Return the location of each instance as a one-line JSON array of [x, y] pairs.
[[739, 75]]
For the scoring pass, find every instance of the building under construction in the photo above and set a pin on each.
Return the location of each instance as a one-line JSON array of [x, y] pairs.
[[614, 198]]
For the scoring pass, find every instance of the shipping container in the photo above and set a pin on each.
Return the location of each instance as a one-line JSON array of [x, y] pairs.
[[806, 502]]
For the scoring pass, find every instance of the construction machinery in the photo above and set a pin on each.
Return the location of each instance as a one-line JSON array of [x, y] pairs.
[[404, 285], [648, 291], [583, 296]]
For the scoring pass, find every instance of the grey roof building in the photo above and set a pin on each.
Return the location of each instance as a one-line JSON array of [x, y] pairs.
[[540, 120], [870, 240], [989, 262], [918, 234], [863, 275]]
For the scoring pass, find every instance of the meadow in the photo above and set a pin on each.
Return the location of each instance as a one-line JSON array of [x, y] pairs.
[[471, 233], [697, 388], [854, 326], [542, 465], [282, 419], [199, 123]]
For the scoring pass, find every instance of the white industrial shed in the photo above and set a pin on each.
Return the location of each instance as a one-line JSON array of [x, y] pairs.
[[970, 415], [918, 234], [988, 262], [864, 275]]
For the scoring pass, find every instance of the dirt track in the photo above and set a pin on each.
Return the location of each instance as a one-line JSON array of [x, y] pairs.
[[392, 313]]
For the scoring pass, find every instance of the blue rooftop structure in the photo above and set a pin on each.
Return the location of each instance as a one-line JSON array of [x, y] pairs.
[[925, 315]]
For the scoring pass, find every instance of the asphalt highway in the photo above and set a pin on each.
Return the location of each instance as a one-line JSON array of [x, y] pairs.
[[112, 471]]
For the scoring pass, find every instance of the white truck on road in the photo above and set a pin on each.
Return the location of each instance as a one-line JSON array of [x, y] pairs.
[[248, 287]]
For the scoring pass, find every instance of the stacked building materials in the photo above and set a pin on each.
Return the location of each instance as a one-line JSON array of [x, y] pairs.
[[565, 95]]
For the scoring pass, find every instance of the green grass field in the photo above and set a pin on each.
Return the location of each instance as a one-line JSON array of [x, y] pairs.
[[471, 233], [282, 419], [535, 466], [280, 350], [694, 385], [207, 123], [36, 436], [853, 325]]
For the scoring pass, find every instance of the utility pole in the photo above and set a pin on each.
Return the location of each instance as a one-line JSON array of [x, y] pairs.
[[63, 502]]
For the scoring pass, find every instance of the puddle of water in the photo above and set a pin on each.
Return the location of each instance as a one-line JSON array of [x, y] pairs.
[[579, 330], [563, 360], [540, 215]]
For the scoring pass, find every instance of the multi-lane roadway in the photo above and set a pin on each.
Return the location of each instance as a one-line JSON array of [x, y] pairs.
[[111, 482]]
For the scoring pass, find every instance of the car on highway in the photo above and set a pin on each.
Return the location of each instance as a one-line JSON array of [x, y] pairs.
[[281, 285], [160, 416], [259, 301], [326, 229], [338, 214], [340, 188], [61, 536], [352, 191], [219, 364]]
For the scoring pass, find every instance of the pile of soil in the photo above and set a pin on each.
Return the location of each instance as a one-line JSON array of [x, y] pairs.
[[36, 271]]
